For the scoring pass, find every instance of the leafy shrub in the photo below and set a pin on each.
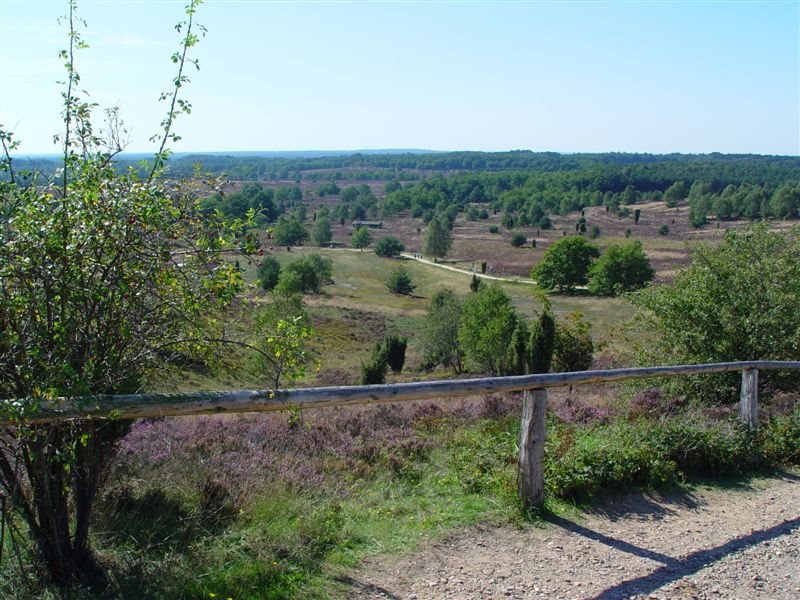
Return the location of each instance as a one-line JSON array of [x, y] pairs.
[[621, 268], [312, 271], [488, 320], [361, 238], [268, 272], [574, 347], [494, 229], [389, 247], [439, 336], [565, 264], [518, 240], [736, 301], [289, 231], [663, 229], [580, 462]]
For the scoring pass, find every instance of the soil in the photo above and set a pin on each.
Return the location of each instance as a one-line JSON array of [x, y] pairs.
[[712, 543]]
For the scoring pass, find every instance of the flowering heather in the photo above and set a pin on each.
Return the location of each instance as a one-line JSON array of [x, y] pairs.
[[304, 451], [576, 412]]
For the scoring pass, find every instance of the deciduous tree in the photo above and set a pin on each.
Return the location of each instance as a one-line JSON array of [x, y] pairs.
[[438, 238], [565, 264], [621, 268]]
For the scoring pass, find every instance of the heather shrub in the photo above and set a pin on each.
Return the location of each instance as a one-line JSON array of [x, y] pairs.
[[577, 412], [653, 402]]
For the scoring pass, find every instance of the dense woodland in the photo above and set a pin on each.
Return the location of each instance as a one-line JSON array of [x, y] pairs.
[[528, 188]]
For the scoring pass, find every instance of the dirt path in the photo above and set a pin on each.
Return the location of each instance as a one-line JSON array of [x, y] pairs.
[[713, 543], [468, 272]]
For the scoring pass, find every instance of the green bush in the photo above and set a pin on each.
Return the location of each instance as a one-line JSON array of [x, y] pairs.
[[565, 264], [399, 281], [374, 371], [395, 352], [581, 462], [736, 301], [268, 273], [518, 240], [389, 247], [312, 271], [574, 348], [621, 268]]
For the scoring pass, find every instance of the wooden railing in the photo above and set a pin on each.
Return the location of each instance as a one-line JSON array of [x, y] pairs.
[[531, 447]]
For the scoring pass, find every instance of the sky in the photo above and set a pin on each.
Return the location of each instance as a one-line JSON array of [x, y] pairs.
[[564, 76]]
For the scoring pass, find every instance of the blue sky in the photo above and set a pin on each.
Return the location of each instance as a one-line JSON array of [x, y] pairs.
[[551, 76]]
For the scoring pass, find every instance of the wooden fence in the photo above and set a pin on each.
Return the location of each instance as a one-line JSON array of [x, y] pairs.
[[532, 435]]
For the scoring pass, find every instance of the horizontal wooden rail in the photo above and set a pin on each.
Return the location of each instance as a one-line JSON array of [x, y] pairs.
[[530, 479], [138, 406]]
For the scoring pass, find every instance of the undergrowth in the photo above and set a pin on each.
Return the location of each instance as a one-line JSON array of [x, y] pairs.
[[256, 507]]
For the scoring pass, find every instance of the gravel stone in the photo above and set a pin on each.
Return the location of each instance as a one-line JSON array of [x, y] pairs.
[[740, 543]]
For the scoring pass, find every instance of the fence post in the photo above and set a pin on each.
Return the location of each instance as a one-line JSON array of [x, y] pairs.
[[530, 476], [748, 399]]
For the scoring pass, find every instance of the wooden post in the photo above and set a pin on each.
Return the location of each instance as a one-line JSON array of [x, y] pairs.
[[748, 399], [530, 477]]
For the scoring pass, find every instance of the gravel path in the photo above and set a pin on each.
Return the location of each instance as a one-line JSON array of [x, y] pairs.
[[710, 544]]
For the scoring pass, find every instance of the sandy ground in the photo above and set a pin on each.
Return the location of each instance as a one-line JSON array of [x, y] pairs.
[[741, 542]]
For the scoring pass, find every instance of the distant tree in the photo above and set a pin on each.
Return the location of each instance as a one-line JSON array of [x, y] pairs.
[[290, 232], [438, 238], [565, 264], [349, 194], [663, 229], [675, 193], [268, 272], [785, 202], [361, 238], [518, 240], [322, 233], [439, 336], [629, 195], [399, 281], [389, 247], [594, 232], [392, 186], [313, 271], [475, 283], [621, 268]]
